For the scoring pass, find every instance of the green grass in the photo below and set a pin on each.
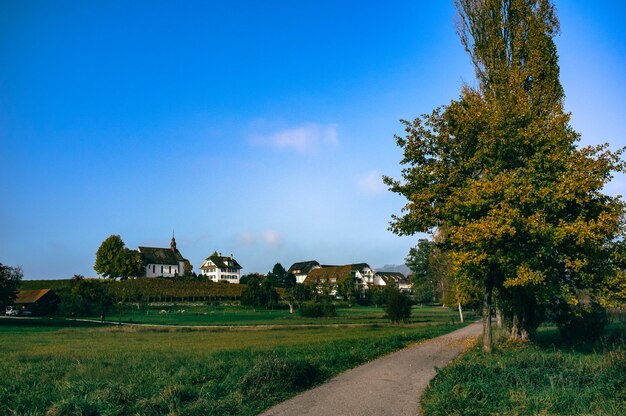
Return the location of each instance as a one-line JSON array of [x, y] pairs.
[[180, 371], [234, 315], [547, 377]]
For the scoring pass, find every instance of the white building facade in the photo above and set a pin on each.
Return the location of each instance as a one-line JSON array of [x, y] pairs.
[[217, 267]]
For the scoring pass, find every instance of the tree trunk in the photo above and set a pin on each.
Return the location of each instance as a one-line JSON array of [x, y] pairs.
[[290, 307], [498, 317], [461, 313], [487, 318]]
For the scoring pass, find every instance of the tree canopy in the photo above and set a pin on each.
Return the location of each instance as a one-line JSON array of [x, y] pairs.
[[280, 278], [113, 259], [524, 207], [10, 278]]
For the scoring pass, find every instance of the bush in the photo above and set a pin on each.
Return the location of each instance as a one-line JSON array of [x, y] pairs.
[[317, 309], [582, 321], [398, 306]]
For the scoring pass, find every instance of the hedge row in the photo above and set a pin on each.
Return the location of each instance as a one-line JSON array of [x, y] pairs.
[[153, 289]]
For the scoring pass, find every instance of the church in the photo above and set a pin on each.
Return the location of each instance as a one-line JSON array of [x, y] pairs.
[[166, 262]]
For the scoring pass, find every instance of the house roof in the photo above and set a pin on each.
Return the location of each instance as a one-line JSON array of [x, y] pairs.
[[31, 296], [398, 277], [222, 261], [304, 266], [156, 255], [360, 266], [354, 266], [325, 274]]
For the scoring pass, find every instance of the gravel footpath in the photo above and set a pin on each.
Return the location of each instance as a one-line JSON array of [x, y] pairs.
[[391, 385]]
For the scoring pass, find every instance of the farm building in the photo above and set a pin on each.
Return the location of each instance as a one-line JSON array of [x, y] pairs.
[[37, 302]]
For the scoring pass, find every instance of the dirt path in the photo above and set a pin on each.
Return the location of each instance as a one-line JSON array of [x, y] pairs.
[[391, 385]]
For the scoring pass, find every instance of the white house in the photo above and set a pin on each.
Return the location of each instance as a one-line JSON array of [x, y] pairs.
[[165, 262], [363, 273], [301, 269], [384, 278], [217, 267]]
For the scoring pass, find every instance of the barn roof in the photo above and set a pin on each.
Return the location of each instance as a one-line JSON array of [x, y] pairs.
[[31, 296]]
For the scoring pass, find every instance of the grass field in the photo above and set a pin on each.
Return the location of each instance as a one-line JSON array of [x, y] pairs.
[[548, 377], [181, 371], [198, 314]]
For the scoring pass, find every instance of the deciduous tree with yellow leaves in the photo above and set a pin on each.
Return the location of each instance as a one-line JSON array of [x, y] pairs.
[[524, 207]]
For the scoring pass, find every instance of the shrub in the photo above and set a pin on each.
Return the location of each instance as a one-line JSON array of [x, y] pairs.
[[317, 309], [398, 307], [582, 321]]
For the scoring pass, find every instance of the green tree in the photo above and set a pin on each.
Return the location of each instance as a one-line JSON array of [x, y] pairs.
[[301, 292], [347, 289], [526, 214], [243, 280], [10, 278], [421, 277], [87, 297], [113, 259], [397, 305], [259, 292], [279, 276]]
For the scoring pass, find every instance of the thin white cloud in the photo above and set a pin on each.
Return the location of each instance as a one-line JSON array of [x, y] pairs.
[[272, 238], [371, 183], [246, 239], [306, 138]]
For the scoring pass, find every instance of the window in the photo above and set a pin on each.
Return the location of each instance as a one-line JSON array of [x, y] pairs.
[[153, 266], [170, 270], [161, 269]]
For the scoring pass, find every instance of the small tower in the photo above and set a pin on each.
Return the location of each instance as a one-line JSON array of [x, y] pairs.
[[173, 243]]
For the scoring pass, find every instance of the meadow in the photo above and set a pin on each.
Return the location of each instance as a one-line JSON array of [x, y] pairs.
[[546, 377], [227, 315], [113, 370]]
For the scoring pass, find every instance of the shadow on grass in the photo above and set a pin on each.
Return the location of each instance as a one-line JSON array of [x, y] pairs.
[[548, 338]]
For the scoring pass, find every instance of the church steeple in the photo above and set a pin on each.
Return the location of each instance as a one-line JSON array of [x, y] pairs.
[[173, 243]]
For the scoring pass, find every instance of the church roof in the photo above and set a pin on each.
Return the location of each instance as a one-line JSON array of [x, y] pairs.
[[156, 255]]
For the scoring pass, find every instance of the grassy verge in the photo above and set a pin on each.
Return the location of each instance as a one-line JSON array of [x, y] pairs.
[[547, 377], [119, 371]]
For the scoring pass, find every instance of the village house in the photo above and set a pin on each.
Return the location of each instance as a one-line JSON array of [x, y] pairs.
[[301, 269], [163, 262], [385, 278], [361, 273], [217, 267]]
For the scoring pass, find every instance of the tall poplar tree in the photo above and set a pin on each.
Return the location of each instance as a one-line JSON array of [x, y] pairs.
[[526, 215]]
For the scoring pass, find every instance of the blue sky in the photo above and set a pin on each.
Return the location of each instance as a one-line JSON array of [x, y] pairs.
[[254, 128]]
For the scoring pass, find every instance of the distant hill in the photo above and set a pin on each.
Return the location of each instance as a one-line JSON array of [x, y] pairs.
[[401, 268]]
